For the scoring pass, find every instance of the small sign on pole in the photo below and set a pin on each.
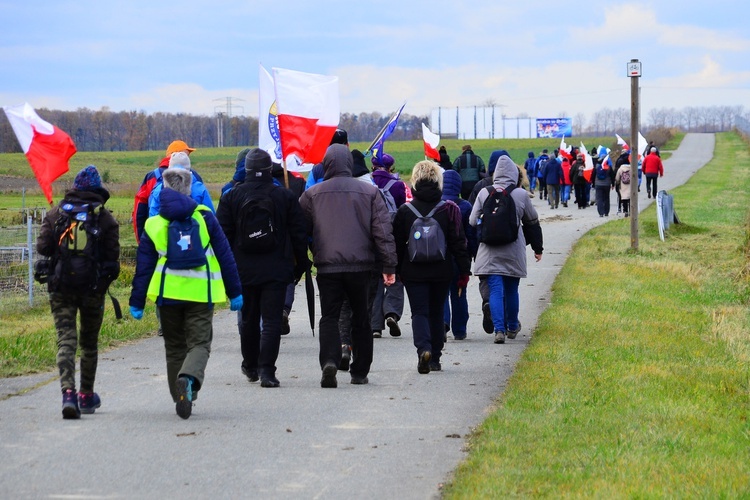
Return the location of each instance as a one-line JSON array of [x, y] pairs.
[[634, 68]]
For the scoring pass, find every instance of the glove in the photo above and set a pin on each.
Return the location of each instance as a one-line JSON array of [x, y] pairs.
[[463, 280], [235, 304], [136, 312]]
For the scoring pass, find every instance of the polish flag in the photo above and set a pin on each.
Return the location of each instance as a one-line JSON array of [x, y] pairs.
[[47, 148], [431, 142], [308, 113]]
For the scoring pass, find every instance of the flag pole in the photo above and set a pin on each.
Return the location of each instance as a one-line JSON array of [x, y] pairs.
[[286, 174]]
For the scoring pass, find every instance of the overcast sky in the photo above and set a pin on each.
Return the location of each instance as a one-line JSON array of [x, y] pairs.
[[541, 58]]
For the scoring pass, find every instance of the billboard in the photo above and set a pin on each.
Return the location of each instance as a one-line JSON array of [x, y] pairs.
[[554, 127]]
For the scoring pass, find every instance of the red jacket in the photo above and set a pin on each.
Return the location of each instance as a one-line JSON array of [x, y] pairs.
[[652, 165]]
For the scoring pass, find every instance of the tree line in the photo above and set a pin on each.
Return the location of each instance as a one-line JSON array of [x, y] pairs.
[[106, 130]]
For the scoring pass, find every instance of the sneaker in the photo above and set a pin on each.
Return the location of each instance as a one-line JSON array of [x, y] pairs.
[[499, 337], [89, 402], [356, 380], [252, 375], [487, 318], [512, 333], [459, 337], [376, 334], [346, 357], [435, 366], [285, 322], [184, 405], [70, 408], [393, 328], [328, 380], [424, 362], [269, 381]]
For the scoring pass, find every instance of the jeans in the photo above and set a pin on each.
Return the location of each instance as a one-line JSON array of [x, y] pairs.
[[387, 301], [504, 302], [532, 183], [333, 288], [459, 306], [565, 193], [427, 300], [260, 330]]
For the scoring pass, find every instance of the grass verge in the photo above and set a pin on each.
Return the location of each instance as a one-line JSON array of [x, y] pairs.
[[637, 380]]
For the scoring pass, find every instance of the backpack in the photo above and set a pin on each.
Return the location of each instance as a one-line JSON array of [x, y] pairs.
[[77, 233], [390, 203], [498, 219], [256, 231], [625, 176], [426, 237], [601, 174], [542, 167], [184, 247]]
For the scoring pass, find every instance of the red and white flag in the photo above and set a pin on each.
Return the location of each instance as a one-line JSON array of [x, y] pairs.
[[308, 112], [47, 148], [431, 142]]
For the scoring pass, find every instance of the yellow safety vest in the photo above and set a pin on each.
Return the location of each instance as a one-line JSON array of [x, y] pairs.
[[202, 284]]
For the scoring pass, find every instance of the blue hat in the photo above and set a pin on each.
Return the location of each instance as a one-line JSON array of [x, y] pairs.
[[87, 179]]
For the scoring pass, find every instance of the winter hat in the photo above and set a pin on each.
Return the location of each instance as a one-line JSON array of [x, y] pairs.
[[257, 160], [239, 166], [87, 179], [531, 154], [385, 161], [179, 179], [177, 146], [340, 137], [179, 160]]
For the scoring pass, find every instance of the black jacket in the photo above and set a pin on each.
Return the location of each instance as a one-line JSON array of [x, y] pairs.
[[426, 196], [289, 261]]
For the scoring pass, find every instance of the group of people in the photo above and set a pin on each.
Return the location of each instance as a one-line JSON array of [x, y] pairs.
[[416, 240]]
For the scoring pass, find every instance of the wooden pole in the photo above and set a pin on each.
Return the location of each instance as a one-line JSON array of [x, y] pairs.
[[634, 146]]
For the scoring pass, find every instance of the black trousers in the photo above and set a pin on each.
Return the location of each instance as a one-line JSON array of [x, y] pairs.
[[651, 184], [602, 200], [427, 300], [260, 348], [333, 288]]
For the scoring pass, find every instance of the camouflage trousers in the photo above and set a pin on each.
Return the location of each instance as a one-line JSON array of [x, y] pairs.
[[65, 308]]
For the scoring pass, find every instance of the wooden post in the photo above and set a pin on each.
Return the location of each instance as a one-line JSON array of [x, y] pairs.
[[634, 72]]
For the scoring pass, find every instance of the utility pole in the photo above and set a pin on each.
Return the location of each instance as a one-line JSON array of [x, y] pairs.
[[634, 72], [220, 117]]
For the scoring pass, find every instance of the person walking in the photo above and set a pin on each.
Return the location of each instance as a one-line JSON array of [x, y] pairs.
[[427, 278], [566, 183], [198, 190], [541, 169], [553, 177], [530, 167], [184, 265], [578, 179], [342, 205], [471, 168], [81, 238], [653, 168], [604, 182], [456, 311], [622, 177], [505, 264], [267, 264]]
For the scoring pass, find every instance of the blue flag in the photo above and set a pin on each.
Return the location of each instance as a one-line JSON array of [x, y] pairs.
[[376, 147]]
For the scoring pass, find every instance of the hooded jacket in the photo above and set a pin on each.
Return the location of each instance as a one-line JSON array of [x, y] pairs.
[[510, 259], [347, 219], [451, 192], [174, 205], [487, 180]]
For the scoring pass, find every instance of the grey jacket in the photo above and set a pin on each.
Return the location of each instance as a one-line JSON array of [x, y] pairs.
[[510, 259], [347, 219]]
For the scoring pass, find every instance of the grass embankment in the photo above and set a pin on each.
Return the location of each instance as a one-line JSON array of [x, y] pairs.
[[637, 380]]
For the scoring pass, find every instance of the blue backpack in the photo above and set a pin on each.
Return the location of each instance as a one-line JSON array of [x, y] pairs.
[[184, 247]]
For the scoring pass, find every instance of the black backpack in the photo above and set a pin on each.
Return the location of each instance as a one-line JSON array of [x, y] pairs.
[[77, 232], [184, 247], [601, 174], [256, 229], [426, 237], [498, 222]]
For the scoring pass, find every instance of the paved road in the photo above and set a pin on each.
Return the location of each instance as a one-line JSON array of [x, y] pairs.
[[398, 437]]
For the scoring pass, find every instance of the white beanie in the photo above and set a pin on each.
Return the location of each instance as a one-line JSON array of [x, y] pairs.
[[180, 160]]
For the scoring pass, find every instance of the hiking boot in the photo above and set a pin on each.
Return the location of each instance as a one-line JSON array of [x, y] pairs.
[[423, 366], [252, 375], [269, 381], [328, 380], [70, 408], [89, 402], [499, 337], [346, 357], [184, 405], [159, 332], [376, 334], [435, 366], [393, 328], [357, 380], [487, 325], [511, 334], [285, 322]]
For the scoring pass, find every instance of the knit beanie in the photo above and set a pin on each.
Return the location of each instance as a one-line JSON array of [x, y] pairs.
[[87, 179], [385, 161], [239, 166], [257, 159], [180, 160]]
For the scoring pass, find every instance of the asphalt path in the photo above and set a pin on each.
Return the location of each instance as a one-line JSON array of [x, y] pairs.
[[400, 436]]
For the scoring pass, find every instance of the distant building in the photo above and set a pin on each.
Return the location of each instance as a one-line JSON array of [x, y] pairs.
[[488, 122]]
